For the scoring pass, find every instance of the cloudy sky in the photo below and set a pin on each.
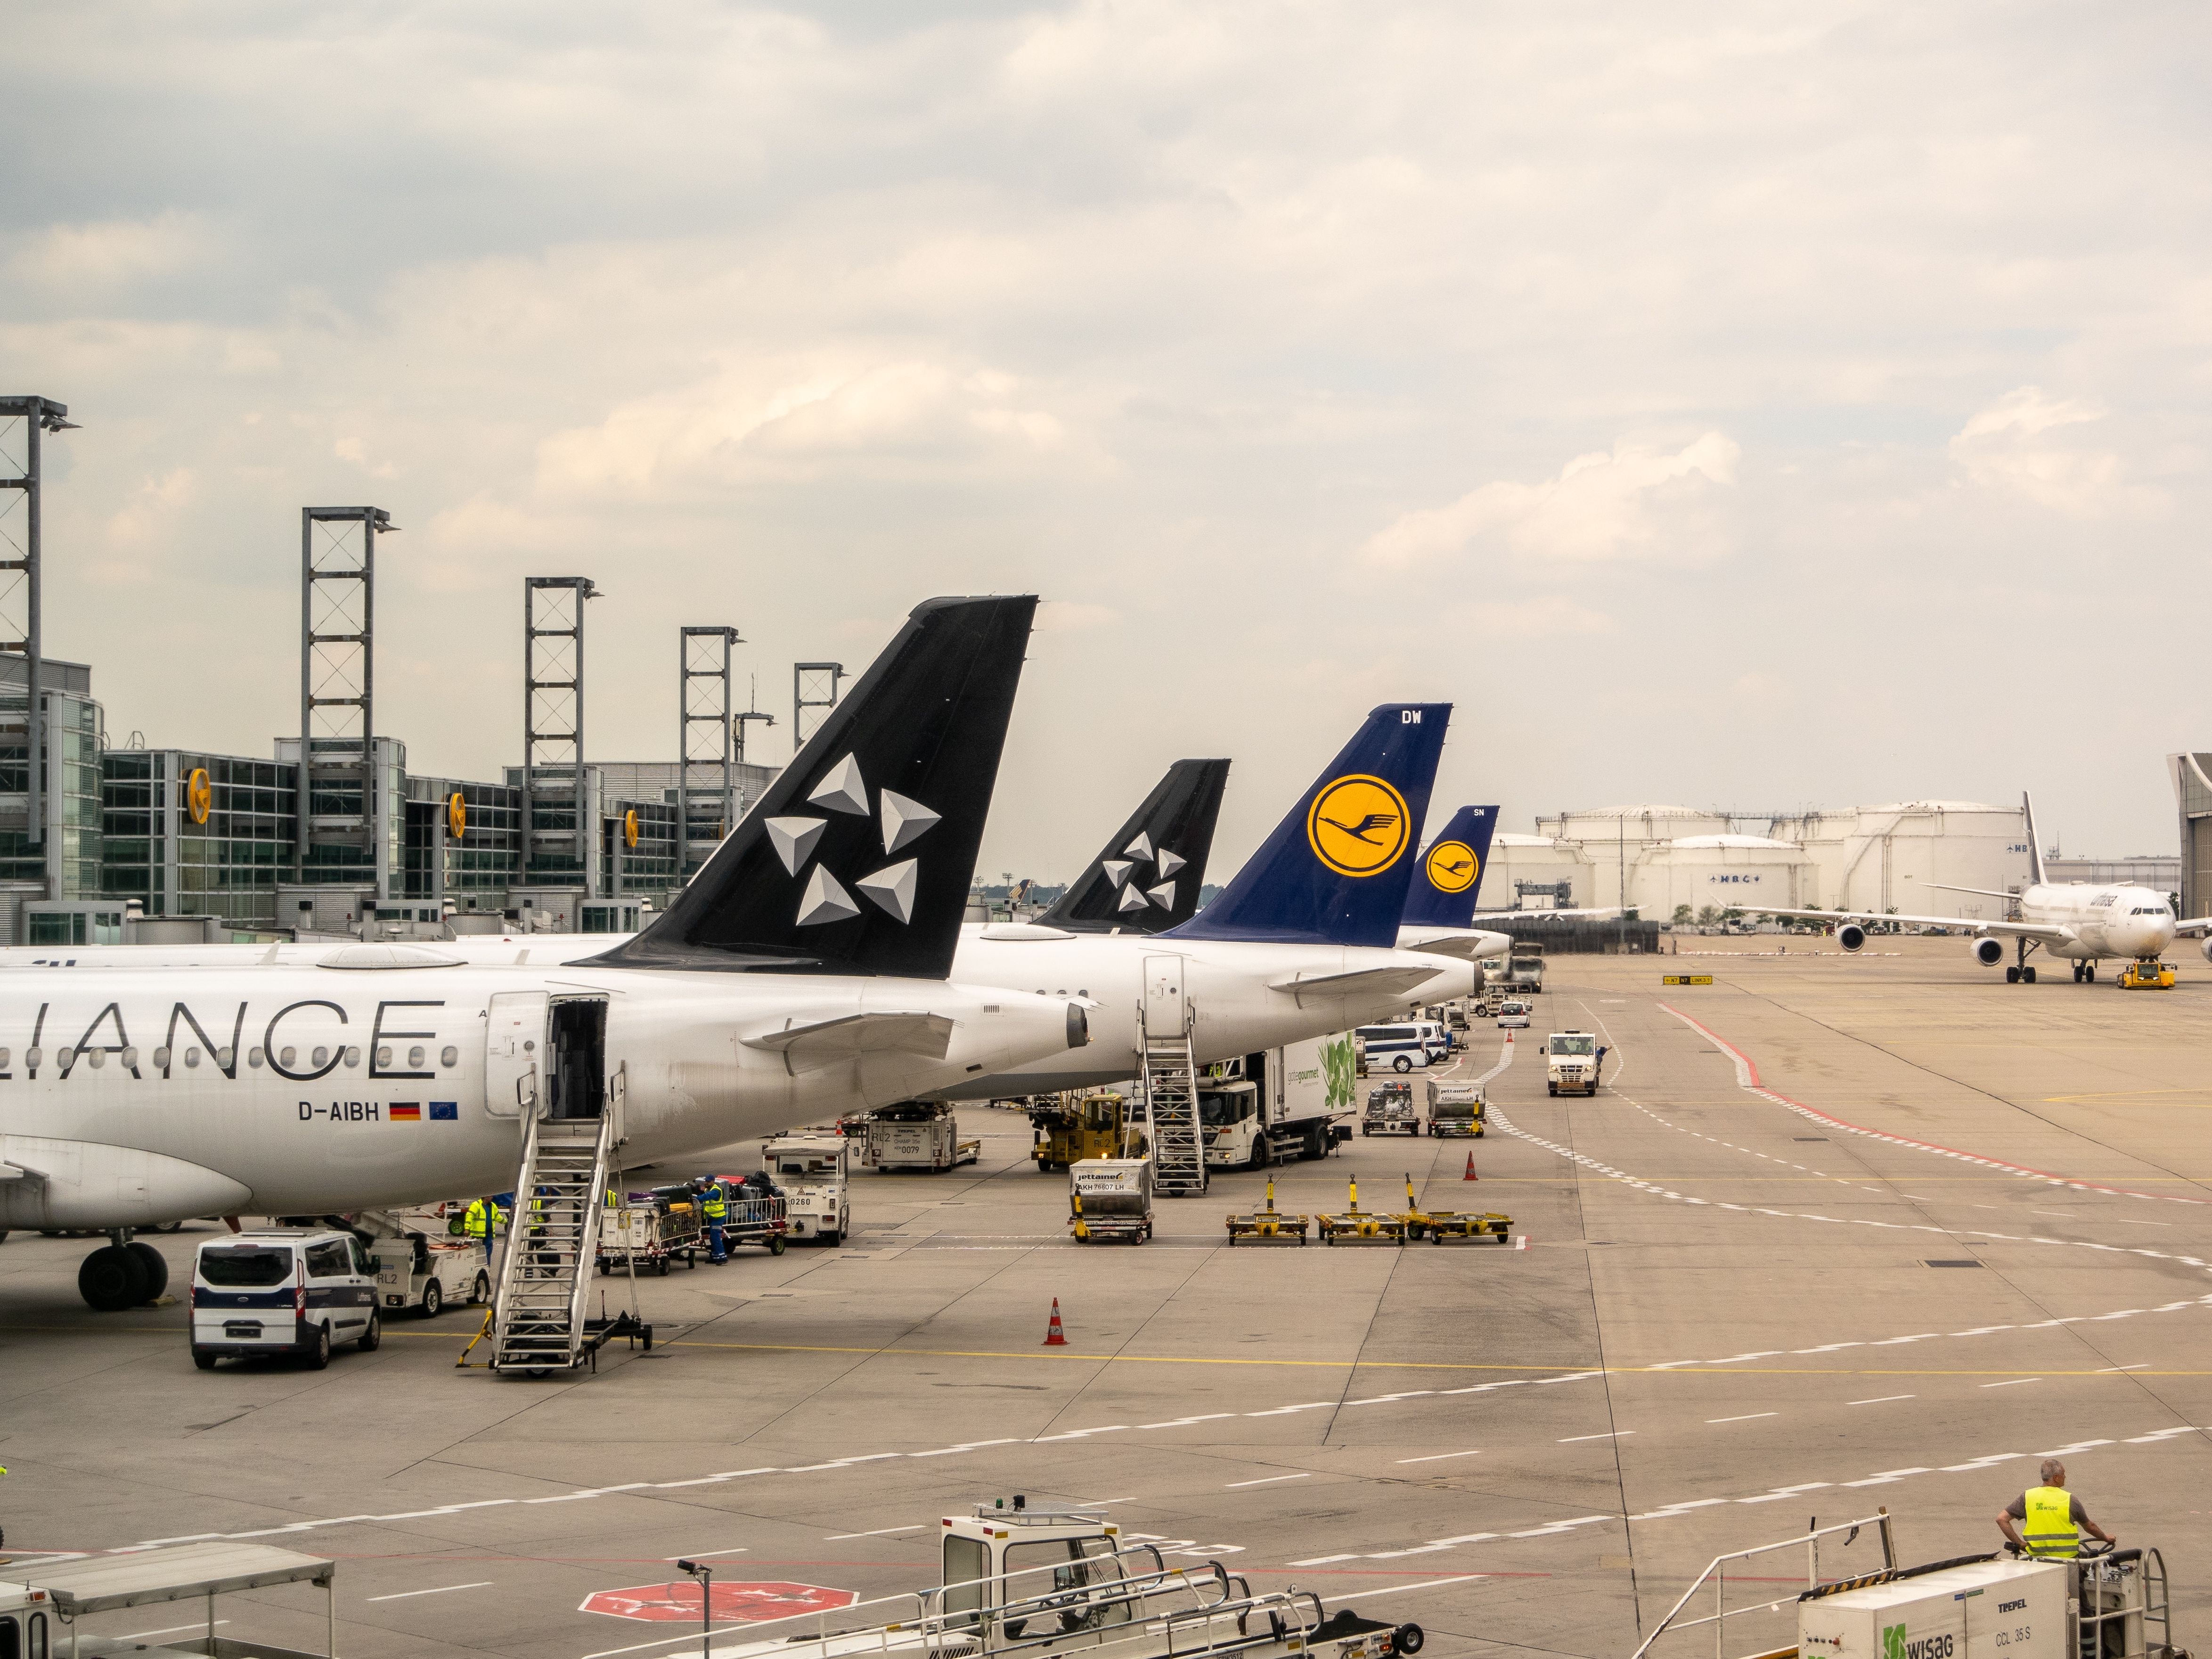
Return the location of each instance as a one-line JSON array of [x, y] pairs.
[[1737, 405]]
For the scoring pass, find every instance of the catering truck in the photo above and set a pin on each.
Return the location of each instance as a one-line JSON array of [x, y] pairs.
[[1278, 1105]]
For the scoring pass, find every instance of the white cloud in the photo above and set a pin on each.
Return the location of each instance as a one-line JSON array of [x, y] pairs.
[[95, 258], [1547, 616], [2008, 445], [1633, 501]]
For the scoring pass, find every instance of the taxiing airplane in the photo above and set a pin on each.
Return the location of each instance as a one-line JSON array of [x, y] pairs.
[[2085, 923], [802, 973], [1300, 944]]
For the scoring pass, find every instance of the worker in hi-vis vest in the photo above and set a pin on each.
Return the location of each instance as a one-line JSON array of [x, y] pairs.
[[716, 1210], [2049, 1516]]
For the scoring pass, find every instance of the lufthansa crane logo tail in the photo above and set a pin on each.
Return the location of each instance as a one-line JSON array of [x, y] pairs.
[[1452, 866], [1358, 825]]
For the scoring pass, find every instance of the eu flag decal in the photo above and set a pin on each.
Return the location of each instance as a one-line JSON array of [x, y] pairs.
[[444, 1111]]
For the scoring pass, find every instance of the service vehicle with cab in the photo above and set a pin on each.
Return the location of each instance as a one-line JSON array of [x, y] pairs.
[[293, 1291], [1513, 1016], [1457, 1110], [1571, 1063], [810, 1171]]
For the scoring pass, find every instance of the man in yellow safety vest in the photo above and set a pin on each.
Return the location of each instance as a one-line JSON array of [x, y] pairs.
[[716, 1211], [2049, 1515], [481, 1220]]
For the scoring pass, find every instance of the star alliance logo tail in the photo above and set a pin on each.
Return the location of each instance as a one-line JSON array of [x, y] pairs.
[[857, 858], [1146, 880]]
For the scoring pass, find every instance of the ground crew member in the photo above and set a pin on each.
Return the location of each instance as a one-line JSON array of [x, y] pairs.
[[481, 1221], [717, 1211], [2049, 1515]]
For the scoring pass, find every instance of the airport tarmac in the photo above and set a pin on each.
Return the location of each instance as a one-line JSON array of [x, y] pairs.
[[1839, 1233]]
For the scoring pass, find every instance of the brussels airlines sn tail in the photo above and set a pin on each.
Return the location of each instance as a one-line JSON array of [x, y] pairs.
[[802, 970]]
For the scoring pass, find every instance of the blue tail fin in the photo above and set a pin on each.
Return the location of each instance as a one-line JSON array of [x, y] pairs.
[[1336, 870], [1442, 894]]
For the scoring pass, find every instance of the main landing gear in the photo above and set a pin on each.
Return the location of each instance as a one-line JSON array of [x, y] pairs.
[[2020, 973], [123, 1274], [2085, 973]]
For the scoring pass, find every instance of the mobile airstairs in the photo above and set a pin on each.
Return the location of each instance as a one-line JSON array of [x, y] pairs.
[[540, 1320], [1170, 1081], [1019, 1581]]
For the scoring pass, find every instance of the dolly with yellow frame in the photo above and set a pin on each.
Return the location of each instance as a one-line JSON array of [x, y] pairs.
[[1355, 1223], [2146, 974], [1437, 1226], [1270, 1224]]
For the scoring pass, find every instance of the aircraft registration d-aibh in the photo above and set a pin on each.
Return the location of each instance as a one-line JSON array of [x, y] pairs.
[[2084, 921], [803, 971], [1302, 944]]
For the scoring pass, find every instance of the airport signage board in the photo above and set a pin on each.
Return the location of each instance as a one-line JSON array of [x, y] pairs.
[[1686, 979]]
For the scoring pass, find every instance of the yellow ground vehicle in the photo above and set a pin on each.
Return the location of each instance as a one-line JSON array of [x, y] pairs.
[[2147, 976], [1073, 1127]]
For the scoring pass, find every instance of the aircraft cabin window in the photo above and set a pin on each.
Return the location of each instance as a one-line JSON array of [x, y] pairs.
[[98, 1056], [31, 1057], [384, 1056], [353, 1056], [284, 1056], [63, 1057], [253, 1057], [415, 1058], [130, 1058], [321, 1058], [191, 1056], [162, 1059], [449, 1056], [3, 1060], [221, 1057]]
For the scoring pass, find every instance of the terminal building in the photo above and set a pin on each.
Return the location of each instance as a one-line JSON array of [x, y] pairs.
[[1660, 859], [188, 844]]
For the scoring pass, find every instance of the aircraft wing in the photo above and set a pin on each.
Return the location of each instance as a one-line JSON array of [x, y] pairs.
[[2192, 925], [2043, 932], [1355, 982], [817, 1043], [1468, 944]]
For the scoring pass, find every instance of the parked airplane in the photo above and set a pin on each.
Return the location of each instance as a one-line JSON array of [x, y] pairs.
[[1440, 906], [1300, 945], [1146, 877], [802, 972], [2085, 923]]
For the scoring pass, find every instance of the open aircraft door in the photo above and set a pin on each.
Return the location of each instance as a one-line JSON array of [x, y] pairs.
[[514, 1045]]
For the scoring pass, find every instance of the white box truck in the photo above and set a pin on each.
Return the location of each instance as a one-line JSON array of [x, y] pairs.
[[810, 1167], [1298, 1095]]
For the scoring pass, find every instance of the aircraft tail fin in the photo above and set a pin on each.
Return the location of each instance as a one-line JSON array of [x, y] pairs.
[[857, 858], [1146, 879], [1334, 870], [2034, 847], [1443, 890]]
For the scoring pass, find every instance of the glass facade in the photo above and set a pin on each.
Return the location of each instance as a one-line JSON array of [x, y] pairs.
[[647, 869], [479, 863], [160, 853]]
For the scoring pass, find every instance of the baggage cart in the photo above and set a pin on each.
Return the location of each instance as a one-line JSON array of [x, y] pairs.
[[1111, 1198], [757, 1217], [1437, 1226], [647, 1231], [1392, 1109]]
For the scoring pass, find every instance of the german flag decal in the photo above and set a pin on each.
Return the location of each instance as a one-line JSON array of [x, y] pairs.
[[406, 1113]]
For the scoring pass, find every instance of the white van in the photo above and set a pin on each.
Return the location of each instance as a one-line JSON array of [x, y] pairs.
[[283, 1290], [1400, 1048]]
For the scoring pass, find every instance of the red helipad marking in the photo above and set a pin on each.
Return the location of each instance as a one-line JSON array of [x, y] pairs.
[[736, 1602]]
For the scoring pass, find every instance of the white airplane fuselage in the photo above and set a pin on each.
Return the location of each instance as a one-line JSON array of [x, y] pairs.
[[129, 1098], [2105, 921], [1230, 985]]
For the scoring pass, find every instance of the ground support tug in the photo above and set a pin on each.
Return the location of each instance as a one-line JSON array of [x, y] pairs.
[[1040, 1583]]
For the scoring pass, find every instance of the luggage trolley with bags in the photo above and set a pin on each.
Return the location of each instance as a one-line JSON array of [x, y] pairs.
[[649, 1231], [756, 1212]]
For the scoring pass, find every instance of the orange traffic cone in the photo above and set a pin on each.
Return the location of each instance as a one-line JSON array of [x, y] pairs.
[[1054, 1337], [1470, 1175]]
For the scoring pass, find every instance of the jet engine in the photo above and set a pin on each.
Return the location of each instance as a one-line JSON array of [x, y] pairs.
[[1989, 951], [2207, 947], [1851, 936]]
